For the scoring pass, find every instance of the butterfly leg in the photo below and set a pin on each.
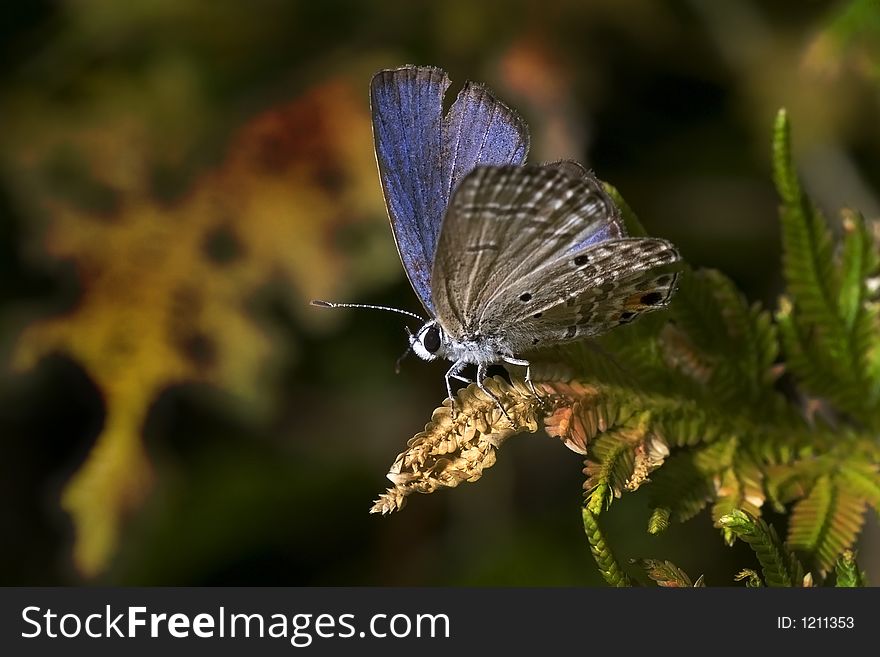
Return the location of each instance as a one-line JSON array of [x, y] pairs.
[[453, 373], [528, 366], [459, 377], [481, 374]]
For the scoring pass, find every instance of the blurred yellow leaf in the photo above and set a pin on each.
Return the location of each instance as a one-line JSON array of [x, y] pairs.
[[166, 285]]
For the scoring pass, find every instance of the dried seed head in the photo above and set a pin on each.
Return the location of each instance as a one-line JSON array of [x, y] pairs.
[[451, 451]]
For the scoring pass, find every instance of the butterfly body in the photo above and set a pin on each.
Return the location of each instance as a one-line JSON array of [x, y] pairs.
[[432, 342]]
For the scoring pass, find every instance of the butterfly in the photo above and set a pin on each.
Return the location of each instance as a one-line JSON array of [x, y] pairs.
[[505, 257]]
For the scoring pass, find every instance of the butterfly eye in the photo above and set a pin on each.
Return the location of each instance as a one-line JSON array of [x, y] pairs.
[[431, 340]]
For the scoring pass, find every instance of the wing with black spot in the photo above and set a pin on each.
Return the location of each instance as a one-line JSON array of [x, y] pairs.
[[505, 223], [585, 293]]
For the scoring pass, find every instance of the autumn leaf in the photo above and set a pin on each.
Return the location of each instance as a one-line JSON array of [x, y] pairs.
[[165, 286]]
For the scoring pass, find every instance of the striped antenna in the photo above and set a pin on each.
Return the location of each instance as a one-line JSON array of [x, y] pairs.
[[333, 304]]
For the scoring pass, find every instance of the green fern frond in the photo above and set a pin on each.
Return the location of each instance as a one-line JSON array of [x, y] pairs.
[[665, 573], [828, 331], [792, 481], [858, 261], [737, 342], [580, 412], [610, 466], [740, 487], [849, 575], [691, 479], [784, 175], [608, 566], [810, 364], [862, 478], [680, 488], [621, 460], [826, 522], [752, 578], [807, 243], [659, 520], [628, 358], [687, 424], [780, 567]]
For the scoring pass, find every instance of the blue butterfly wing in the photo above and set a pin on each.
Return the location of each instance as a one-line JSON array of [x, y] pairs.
[[422, 155], [480, 130]]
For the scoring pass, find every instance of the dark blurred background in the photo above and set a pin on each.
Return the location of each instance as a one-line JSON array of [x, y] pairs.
[[178, 179]]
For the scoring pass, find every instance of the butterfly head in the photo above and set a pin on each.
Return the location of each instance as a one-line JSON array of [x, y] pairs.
[[429, 342]]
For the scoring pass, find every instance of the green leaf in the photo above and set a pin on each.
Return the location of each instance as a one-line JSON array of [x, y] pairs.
[[828, 328], [735, 342], [680, 488], [862, 477], [783, 173], [752, 578], [665, 573], [605, 560], [739, 487], [659, 521], [609, 467], [807, 244], [848, 573], [826, 522], [858, 262], [790, 482], [780, 567]]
